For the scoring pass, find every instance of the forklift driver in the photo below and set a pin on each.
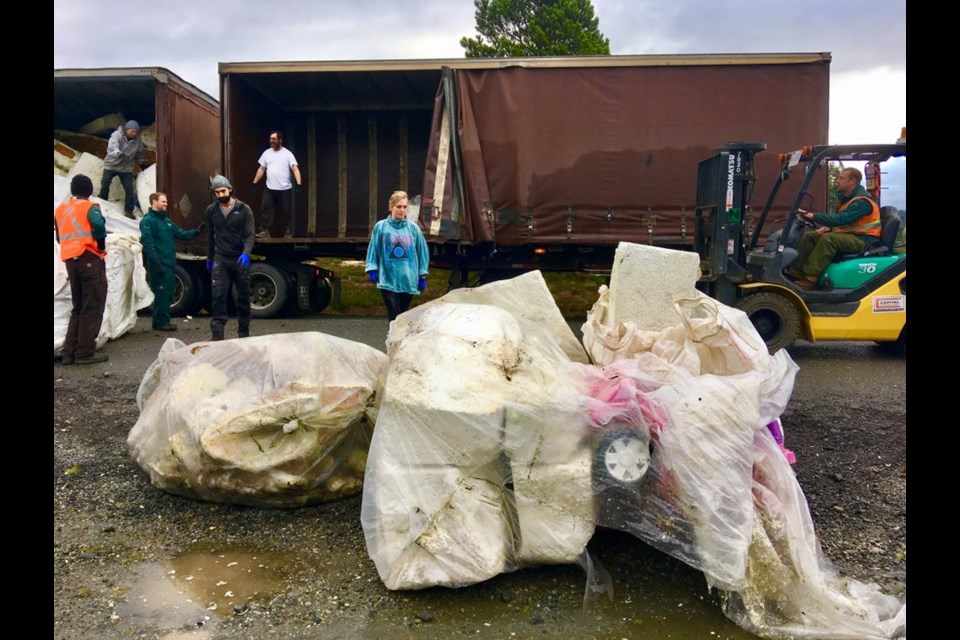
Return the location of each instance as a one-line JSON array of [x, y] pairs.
[[855, 225]]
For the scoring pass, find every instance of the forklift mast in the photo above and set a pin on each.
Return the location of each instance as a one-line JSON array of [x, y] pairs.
[[724, 185]]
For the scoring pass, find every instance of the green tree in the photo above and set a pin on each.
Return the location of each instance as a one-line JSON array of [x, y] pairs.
[[833, 172], [521, 28]]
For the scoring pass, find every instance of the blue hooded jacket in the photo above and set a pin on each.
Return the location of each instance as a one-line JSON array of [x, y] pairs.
[[398, 252]]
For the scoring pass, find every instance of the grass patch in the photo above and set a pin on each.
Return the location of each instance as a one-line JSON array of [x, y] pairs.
[[574, 293]]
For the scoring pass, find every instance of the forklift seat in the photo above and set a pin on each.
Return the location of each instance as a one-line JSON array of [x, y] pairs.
[[882, 246]]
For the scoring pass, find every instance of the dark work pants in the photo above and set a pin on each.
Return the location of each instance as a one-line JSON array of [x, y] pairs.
[[226, 272], [162, 287], [126, 181], [396, 303], [274, 201], [88, 292]]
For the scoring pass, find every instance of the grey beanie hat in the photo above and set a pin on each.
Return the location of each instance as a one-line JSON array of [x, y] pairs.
[[132, 124], [81, 186], [219, 182]]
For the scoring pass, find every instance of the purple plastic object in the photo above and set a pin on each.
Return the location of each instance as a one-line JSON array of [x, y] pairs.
[[776, 429]]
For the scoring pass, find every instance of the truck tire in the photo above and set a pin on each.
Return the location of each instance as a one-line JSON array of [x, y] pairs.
[[324, 294], [185, 301], [269, 290], [774, 317]]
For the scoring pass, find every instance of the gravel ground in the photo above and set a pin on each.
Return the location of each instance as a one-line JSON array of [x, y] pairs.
[[116, 537]]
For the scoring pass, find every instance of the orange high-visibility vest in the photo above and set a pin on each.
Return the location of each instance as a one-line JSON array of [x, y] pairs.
[[868, 225], [73, 225]]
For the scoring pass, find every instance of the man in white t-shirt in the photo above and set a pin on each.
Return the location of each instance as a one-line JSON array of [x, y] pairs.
[[278, 164]]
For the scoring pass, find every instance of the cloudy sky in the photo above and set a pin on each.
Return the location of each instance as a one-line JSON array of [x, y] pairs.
[[866, 38]]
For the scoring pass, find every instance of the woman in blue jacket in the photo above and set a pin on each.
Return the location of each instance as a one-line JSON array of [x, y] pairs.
[[397, 257]]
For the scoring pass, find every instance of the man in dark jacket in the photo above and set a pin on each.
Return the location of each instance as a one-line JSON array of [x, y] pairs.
[[157, 235], [124, 148], [855, 224], [229, 244]]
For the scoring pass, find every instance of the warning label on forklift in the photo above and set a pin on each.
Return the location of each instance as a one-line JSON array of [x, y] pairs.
[[883, 304]]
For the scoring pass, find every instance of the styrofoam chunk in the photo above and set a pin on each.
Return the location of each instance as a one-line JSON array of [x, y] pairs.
[[433, 527], [646, 281], [555, 511]]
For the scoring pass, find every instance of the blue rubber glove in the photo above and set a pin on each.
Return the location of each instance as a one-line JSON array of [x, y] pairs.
[[374, 276], [209, 265], [244, 260], [421, 283]]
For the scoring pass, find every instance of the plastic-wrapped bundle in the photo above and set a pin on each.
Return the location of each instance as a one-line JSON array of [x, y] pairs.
[[686, 462], [278, 421], [474, 469]]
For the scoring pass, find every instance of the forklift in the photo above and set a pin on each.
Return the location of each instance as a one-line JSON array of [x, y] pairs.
[[860, 296]]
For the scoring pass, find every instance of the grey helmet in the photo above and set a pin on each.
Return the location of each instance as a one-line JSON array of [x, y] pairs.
[[219, 182]]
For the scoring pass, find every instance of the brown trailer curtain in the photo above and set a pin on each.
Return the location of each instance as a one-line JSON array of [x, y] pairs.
[[603, 155]]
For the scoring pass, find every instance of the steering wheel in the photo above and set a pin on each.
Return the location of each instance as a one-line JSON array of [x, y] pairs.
[[801, 221]]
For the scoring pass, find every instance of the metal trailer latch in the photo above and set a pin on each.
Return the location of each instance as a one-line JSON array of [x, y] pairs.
[[651, 221]]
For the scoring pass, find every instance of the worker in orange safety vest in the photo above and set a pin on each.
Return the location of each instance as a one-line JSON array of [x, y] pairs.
[[82, 232], [855, 225]]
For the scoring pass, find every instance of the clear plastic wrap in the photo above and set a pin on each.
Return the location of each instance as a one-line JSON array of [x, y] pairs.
[[497, 447], [475, 468], [276, 421], [717, 490]]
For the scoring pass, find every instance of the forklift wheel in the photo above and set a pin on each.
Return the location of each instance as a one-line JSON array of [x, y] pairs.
[[623, 456], [899, 346], [774, 317]]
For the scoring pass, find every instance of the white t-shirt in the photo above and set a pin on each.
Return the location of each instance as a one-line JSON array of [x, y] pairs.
[[279, 164]]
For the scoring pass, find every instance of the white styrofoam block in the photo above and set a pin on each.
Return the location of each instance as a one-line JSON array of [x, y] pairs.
[[146, 184], [105, 123], [545, 435], [446, 376], [555, 510], [149, 136], [442, 398], [433, 527], [242, 394], [61, 189], [646, 281], [421, 435], [193, 385], [92, 167], [346, 372], [528, 299], [493, 332], [63, 157]]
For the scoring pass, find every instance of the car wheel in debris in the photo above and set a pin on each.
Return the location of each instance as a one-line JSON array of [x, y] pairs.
[[623, 455]]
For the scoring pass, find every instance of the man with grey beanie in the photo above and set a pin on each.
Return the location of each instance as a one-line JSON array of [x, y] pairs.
[[125, 148], [229, 244]]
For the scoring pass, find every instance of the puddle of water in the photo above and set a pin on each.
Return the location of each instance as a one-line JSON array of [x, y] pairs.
[[188, 594], [655, 596], [222, 580]]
